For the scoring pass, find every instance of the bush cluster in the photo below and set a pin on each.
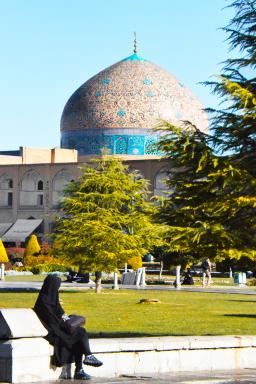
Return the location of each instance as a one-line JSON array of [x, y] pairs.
[[40, 268]]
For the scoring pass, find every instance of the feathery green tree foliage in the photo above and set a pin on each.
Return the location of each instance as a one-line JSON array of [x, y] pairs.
[[234, 126], [212, 208], [106, 218]]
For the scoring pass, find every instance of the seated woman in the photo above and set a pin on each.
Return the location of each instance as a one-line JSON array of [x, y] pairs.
[[67, 348]]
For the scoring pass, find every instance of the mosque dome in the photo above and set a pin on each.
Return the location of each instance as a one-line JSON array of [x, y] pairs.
[[118, 107]]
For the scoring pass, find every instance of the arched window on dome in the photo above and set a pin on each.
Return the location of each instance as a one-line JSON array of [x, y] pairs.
[[121, 146], [31, 183], [6, 191], [95, 146], [60, 181], [136, 145], [150, 146], [160, 186]]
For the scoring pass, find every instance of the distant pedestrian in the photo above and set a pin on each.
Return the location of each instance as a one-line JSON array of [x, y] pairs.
[[206, 272]]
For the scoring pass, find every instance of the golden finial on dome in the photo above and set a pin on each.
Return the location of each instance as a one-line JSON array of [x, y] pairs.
[[135, 43]]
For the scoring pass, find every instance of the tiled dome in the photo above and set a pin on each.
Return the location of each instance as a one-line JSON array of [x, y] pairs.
[[118, 107]]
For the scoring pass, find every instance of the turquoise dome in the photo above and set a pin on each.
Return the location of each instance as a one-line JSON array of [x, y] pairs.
[[118, 107]]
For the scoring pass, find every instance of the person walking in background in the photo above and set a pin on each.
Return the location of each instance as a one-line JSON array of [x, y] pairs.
[[206, 272], [68, 347]]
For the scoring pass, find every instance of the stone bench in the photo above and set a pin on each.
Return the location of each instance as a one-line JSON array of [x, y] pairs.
[[25, 355]]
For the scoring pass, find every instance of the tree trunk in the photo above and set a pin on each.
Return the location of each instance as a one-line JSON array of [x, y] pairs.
[[98, 282]]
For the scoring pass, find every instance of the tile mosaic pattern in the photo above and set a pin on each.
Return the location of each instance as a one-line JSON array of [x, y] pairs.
[[125, 141], [131, 94]]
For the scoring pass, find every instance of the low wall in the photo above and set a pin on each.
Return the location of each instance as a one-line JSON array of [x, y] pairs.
[[152, 355], [25, 355]]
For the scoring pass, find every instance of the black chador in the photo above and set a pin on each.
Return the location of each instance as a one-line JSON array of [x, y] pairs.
[[67, 348]]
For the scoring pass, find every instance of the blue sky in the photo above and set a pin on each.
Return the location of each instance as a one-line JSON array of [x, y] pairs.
[[50, 47]]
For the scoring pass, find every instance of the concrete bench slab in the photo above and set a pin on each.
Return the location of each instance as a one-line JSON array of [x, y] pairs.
[[20, 322], [25, 360]]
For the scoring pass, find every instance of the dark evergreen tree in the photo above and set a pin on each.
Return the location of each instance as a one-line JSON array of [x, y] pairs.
[[212, 208], [208, 210], [234, 126]]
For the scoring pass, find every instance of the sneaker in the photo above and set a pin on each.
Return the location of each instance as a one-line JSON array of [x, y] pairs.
[[81, 375], [92, 360]]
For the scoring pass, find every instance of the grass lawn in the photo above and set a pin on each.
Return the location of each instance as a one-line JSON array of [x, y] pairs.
[[118, 314], [26, 278]]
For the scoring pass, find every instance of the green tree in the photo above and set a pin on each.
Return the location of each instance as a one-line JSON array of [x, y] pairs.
[[211, 210], [106, 218], [234, 126], [32, 248], [3, 258]]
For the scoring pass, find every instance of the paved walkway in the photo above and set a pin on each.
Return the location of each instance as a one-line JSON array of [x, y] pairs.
[[246, 376], [35, 286]]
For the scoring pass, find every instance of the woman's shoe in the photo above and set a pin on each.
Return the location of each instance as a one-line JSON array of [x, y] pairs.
[[66, 372], [92, 360], [81, 375]]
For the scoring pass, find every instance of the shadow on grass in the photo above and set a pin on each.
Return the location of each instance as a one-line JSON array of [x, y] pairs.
[[244, 301], [19, 290], [246, 315], [116, 335], [123, 335], [34, 289]]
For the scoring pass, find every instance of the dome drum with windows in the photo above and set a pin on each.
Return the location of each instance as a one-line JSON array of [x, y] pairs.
[[119, 107]]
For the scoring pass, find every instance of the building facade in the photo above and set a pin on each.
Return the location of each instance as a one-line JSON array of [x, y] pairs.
[[116, 109]]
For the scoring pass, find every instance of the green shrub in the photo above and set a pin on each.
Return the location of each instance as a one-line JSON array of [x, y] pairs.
[[39, 268]]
